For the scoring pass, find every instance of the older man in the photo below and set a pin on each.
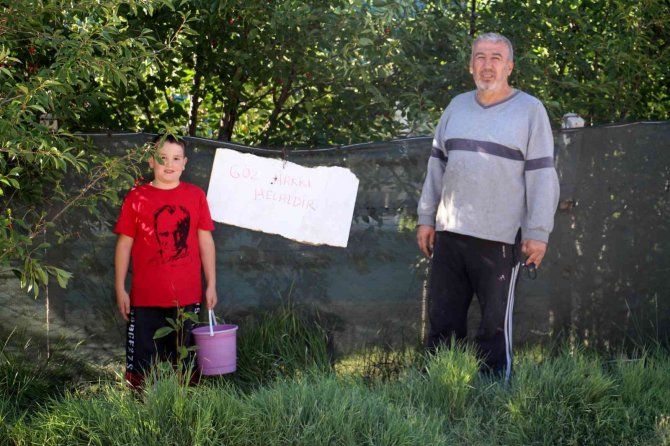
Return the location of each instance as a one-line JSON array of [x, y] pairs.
[[488, 203]]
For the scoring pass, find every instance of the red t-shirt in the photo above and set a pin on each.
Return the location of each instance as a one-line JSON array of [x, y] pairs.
[[166, 266]]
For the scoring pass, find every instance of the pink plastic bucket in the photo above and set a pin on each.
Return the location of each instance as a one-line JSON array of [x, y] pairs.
[[217, 347]]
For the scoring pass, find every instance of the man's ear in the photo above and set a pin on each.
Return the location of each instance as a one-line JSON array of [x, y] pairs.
[[185, 161]]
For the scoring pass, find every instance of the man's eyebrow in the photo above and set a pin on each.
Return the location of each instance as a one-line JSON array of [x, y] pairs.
[[481, 53]]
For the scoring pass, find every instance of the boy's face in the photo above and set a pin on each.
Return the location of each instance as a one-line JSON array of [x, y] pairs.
[[170, 167]]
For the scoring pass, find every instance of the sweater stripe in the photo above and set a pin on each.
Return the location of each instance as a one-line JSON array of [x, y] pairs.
[[437, 153], [491, 148], [540, 163]]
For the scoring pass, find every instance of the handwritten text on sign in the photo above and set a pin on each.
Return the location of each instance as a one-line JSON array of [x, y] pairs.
[[311, 205]]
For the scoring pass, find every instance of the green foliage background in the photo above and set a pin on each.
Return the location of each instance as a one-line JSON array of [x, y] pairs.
[[278, 73]]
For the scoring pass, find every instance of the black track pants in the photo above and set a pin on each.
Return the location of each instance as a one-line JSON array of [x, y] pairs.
[[463, 266], [142, 350]]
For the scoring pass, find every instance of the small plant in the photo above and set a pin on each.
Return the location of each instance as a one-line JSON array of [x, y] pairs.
[[180, 327]]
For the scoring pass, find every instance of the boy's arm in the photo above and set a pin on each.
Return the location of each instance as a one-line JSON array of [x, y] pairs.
[[121, 262], [208, 259]]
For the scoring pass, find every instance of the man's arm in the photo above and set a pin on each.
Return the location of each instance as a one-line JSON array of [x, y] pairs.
[[124, 245], [429, 201], [542, 188], [208, 259], [431, 193]]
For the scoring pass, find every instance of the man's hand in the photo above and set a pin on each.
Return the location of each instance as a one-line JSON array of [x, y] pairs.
[[123, 302], [535, 251], [425, 237]]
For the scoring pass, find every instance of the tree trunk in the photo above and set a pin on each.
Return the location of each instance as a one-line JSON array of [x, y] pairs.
[[279, 102], [227, 122], [473, 18], [195, 99]]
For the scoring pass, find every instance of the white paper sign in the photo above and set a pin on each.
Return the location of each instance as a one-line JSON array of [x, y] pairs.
[[312, 205]]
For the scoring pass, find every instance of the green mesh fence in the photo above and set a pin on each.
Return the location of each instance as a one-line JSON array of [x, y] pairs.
[[604, 280]]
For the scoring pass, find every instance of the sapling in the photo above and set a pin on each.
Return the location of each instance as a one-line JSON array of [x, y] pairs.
[[180, 327]]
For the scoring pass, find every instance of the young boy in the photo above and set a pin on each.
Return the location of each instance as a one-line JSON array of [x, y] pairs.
[[165, 227]]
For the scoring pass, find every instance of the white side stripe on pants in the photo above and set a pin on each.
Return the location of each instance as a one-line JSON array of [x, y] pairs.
[[508, 321]]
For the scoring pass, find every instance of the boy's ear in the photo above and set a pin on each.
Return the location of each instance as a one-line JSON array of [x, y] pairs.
[[185, 160]]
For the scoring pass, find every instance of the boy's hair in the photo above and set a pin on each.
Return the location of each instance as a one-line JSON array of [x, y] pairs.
[[163, 137]]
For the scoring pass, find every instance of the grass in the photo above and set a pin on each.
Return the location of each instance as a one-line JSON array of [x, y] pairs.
[[285, 393], [280, 343], [29, 380]]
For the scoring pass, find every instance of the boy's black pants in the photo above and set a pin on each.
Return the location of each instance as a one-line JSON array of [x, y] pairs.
[[142, 350], [463, 266]]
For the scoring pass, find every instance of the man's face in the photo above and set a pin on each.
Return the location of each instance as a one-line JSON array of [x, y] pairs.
[[490, 66], [168, 165]]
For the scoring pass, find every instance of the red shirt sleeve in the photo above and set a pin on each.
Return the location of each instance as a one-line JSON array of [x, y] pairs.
[[205, 221]]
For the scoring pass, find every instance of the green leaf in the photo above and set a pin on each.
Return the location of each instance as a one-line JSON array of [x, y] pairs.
[[62, 276], [162, 332], [41, 275], [62, 280], [182, 352], [38, 108]]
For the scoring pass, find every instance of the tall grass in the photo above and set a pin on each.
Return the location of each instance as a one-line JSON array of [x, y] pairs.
[[29, 379], [319, 411], [280, 343], [571, 391], [556, 397]]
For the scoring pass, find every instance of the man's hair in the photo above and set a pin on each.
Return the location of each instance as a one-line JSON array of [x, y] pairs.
[[162, 138], [496, 38]]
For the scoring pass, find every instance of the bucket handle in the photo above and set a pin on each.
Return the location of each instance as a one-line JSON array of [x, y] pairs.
[[212, 322], [212, 318]]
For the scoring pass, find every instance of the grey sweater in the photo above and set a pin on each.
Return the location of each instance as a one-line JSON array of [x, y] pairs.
[[491, 170]]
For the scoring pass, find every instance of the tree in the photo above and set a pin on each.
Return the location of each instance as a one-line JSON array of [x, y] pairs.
[[279, 73], [308, 73], [54, 58], [609, 61]]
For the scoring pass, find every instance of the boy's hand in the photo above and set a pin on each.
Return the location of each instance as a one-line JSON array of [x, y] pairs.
[[210, 297], [123, 302]]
